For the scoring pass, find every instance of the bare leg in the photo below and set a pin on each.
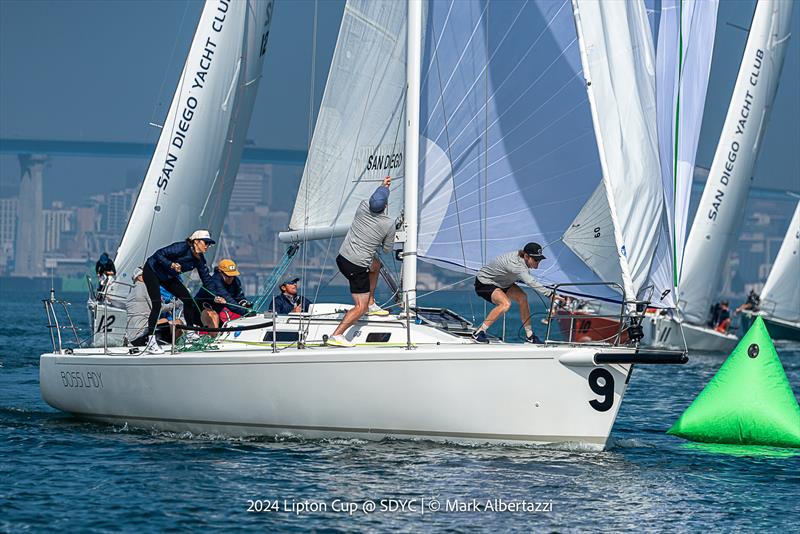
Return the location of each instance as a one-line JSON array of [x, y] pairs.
[[502, 305], [519, 296], [361, 301], [374, 271], [210, 319]]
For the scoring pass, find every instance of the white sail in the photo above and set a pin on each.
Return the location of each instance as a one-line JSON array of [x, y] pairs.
[[619, 69], [683, 62], [192, 171], [780, 297], [589, 237], [359, 136], [720, 210]]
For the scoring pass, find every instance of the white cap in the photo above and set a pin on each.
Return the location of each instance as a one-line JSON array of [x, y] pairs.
[[202, 234]]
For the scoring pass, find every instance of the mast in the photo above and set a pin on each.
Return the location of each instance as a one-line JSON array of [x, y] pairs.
[[717, 219], [410, 211]]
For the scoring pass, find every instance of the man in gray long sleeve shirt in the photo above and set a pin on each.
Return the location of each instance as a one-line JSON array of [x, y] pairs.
[[371, 229], [496, 283]]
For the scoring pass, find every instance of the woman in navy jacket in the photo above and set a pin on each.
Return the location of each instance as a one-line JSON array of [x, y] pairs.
[[164, 268]]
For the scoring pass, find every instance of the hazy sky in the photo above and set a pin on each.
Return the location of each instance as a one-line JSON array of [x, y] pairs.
[[103, 70]]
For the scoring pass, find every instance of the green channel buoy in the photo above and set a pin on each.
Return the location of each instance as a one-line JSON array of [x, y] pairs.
[[748, 402]]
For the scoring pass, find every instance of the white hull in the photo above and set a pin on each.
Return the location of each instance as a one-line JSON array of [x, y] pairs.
[[496, 393], [661, 332], [108, 322]]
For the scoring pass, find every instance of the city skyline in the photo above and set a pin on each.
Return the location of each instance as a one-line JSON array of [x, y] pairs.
[[288, 100]]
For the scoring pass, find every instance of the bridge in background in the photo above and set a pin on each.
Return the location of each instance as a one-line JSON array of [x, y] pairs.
[[250, 154], [114, 149]]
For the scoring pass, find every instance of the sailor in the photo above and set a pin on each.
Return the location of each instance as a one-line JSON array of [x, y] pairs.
[[722, 319], [106, 271], [372, 228], [223, 297], [137, 309], [752, 304], [496, 283], [289, 301], [163, 269]]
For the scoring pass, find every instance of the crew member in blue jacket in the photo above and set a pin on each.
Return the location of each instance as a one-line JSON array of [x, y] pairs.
[[224, 291], [289, 301], [163, 269]]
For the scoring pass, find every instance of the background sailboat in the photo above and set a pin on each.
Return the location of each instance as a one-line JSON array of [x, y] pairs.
[[780, 297], [190, 178], [717, 219]]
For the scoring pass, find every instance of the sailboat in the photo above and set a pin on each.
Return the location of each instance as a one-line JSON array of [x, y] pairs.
[[780, 297], [189, 181], [443, 120], [685, 40], [717, 219]]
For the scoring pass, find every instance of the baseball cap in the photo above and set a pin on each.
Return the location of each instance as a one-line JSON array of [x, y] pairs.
[[534, 250], [378, 200], [228, 267], [290, 280], [137, 272], [203, 235]]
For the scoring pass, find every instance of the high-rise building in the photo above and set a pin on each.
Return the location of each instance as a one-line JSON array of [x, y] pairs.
[[56, 222], [119, 209], [8, 225], [252, 187], [29, 238]]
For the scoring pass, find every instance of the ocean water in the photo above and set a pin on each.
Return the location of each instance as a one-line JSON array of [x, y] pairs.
[[59, 473]]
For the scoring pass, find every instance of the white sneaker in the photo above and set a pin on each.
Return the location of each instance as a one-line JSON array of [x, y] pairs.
[[374, 309], [152, 346], [340, 341], [191, 336]]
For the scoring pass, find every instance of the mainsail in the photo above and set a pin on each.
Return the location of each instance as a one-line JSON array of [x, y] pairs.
[[780, 297], [191, 174], [720, 210], [512, 148], [358, 137]]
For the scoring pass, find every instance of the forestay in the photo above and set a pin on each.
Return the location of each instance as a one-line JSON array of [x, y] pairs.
[[780, 297], [509, 150], [191, 174], [358, 137]]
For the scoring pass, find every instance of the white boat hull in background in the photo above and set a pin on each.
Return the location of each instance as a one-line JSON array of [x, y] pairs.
[[495, 393], [662, 332]]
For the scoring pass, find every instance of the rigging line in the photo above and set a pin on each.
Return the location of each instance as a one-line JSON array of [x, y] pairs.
[[477, 79], [485, 210], [518, 64], [435, 47], [569, 83], [169, 63], [526, 142], [449, 155], [508, 107], [466, 49], [311, 101]]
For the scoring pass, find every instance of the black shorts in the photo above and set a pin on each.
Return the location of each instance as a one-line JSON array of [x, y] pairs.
[[485, 291], [357, 276]]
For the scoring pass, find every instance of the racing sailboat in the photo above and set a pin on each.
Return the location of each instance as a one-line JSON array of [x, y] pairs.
[[190, 178], [780, 297], [717, 220], [485, 99]]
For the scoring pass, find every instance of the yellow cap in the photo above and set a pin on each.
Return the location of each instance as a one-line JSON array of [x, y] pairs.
[[228, 267]]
